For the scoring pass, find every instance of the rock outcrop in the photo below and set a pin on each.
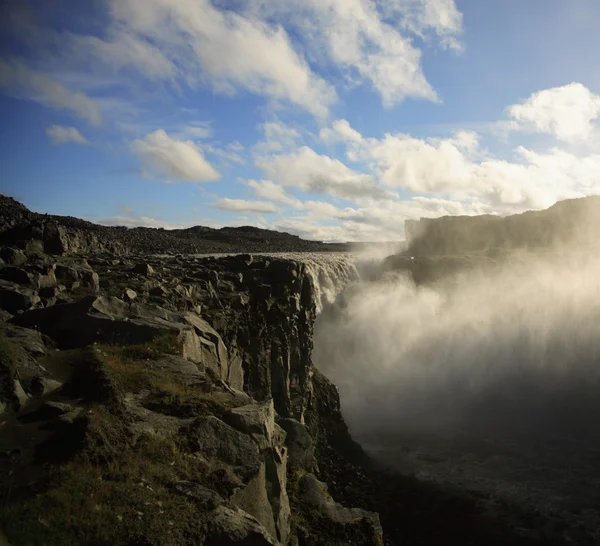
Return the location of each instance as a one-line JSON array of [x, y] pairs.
[[159, 400]]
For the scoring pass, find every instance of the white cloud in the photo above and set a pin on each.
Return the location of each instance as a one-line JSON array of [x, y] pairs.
[[566, 112], [24, 83], [272, 191], [364, 38], [122, 50], [425, 17], [61, 135], [173, 159], [230, 50], [242, 205], [340, 131], [457, 168], [278, 137], [311, 172]]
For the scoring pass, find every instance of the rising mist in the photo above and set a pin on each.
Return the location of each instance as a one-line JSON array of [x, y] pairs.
[[512, 349]]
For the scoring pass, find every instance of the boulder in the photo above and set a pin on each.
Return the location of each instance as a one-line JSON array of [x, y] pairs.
[[215, 440], [12, 256], [16, 275], [15, 299]]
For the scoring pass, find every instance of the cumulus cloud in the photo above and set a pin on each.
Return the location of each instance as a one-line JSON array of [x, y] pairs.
[[566, 112], [22, 82], [312, 172], [366, 38], [340, 131], [242, 205], [268, 189], [173, 159], [458, 168], [228, 49], [61, 135]]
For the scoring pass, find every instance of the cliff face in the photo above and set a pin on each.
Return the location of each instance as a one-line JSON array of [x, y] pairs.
[[162, 400], [574, 219]]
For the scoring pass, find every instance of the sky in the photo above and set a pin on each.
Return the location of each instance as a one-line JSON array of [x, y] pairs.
[[334, 120]]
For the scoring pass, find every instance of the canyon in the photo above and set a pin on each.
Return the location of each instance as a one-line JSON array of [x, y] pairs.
[[153, 395]]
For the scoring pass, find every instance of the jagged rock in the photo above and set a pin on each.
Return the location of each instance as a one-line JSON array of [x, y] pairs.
[[258, 420], [315, 493], [66, 275], [40, 386], [90, 279], [12, 256], [91, 319], [300, 444], [232, 526], [216, 440], [254, 499]]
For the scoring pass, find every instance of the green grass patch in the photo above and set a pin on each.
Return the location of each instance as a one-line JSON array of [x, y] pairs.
[[124, 500]]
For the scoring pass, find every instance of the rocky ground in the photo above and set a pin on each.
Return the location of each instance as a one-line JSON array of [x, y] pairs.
[[172, 400]]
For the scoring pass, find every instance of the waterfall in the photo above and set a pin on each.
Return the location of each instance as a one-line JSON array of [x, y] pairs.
[[331, 274]]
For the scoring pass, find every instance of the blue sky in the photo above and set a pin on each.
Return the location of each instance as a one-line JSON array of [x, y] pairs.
[[330, 119]]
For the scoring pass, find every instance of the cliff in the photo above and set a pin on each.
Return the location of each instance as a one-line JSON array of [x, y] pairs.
[[573, 219], [160, 400]]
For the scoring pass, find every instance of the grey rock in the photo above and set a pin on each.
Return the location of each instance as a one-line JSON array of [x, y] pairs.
[[129, 295], [216, 440], [232, 526], [254, 500], [258, 420]]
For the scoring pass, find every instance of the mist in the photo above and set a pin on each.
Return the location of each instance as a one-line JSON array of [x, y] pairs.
[[509, 350]]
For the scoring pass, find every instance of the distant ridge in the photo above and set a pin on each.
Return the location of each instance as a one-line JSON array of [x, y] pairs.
[[19, 226]]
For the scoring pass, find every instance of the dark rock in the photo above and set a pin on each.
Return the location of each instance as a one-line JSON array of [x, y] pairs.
[[143, 269], [92, 319], [16, 275], [15, 300], [12, 256], [300, 444], [201, 495]]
